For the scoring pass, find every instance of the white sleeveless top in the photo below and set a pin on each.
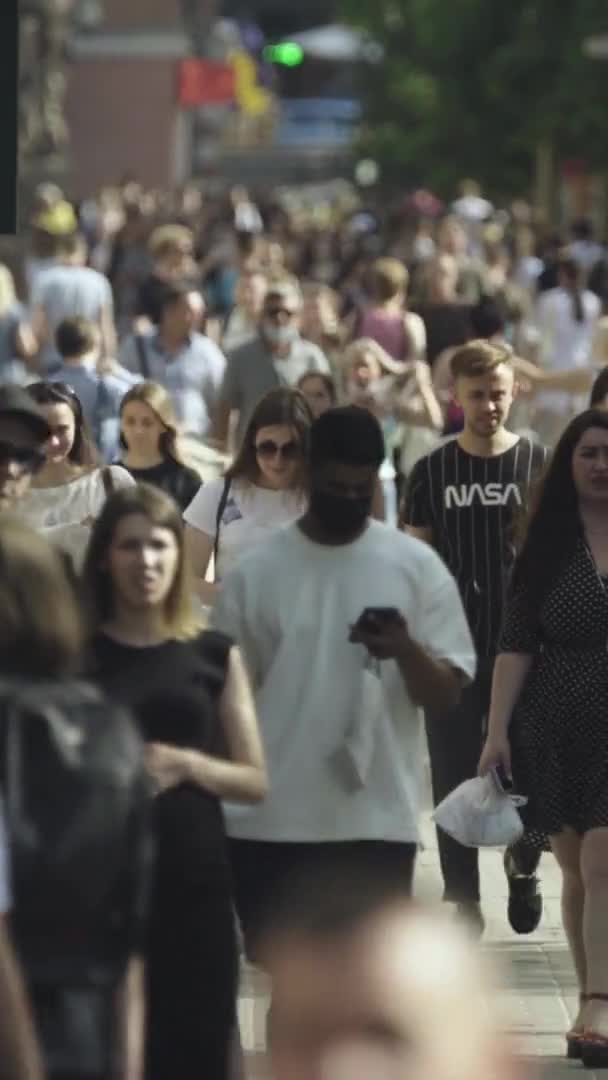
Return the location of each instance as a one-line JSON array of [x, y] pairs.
[[59, 512]]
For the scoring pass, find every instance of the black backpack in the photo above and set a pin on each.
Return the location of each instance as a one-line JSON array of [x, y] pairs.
[[76, 802]]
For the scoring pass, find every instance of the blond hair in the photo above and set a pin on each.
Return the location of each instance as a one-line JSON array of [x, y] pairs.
[[159, 402], [388, 277], [169, 238], [479, 358]]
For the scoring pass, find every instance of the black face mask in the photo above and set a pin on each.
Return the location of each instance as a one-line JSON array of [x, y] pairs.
[[340, 515]]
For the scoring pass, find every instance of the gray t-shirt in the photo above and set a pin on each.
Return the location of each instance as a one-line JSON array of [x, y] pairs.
[[252, 371], [64, 292]]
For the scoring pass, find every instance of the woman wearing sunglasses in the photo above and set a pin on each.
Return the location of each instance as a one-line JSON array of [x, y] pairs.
[[264, 489], [68, 492]]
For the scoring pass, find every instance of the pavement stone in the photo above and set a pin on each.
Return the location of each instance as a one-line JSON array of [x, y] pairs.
[[538, 994]]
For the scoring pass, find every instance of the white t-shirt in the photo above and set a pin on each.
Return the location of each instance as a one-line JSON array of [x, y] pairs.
[[250, 516], [5, 888], [290, 605], [566, 342]]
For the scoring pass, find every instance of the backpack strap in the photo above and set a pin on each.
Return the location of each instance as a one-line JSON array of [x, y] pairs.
[[107, 480], [142, 356], [218, 519]]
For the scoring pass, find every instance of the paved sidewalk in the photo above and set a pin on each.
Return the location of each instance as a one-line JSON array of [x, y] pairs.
[[539, 994]]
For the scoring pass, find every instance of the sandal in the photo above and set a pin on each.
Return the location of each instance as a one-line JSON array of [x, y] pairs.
[[594, 1045], [575, 1037]]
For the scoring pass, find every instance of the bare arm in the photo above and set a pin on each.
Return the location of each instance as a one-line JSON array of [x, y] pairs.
[[40, 326], [243, 777], [131, 1020], [431, 683], [510, 673], [109, 343], [221, 426], [420, 406], [574, 380], [19, 1055], [26, 344], [199, 549]]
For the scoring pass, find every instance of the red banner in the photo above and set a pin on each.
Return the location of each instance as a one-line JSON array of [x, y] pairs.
[[204, 82]]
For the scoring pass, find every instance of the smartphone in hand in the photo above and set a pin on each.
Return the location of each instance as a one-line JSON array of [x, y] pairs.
[[373, 619], [503, 782]]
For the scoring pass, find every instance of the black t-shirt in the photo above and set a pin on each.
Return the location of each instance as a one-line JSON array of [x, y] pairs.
[[179, 481], [471, 504], [173, 690], [447, 326]]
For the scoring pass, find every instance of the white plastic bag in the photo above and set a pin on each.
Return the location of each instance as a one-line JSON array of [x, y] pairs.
[[479, 814]]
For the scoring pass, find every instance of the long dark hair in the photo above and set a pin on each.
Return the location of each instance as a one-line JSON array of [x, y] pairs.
[[571, 276], [553, 527], [83, 450], [280, 406]]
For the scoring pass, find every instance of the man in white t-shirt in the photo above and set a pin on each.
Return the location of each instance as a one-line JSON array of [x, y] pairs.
[[19, 1057], [339, 694]]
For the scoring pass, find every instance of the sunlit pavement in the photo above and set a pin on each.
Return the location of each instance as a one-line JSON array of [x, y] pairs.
[[540, 998]]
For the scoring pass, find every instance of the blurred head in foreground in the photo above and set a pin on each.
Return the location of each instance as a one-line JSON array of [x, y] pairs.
[[368, 985]]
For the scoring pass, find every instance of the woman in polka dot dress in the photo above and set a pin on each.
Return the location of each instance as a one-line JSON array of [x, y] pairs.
[[549, 711]]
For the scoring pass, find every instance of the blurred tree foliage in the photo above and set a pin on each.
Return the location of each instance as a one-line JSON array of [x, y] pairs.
[[471, 87]]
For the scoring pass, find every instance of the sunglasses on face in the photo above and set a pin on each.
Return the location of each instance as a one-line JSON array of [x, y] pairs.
[[29, 459], [289, 451]]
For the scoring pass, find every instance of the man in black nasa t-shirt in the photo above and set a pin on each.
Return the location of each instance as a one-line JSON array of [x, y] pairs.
[[464, 499]]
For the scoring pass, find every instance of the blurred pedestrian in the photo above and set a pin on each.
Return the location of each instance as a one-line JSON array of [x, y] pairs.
[[278, 356], [171, 249], [78, 790], [24, 433], [366, 985], [18, 345], [100, 387], [190, 694], [241, 324], [187, 363], [320, 392], [386, 319], [567, 319], [71, 288], [150, 444]]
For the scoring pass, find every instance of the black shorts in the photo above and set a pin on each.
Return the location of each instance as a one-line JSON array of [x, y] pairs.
[[261, 869]]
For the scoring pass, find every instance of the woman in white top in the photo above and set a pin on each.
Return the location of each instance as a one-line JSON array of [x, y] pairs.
[[264, 489], [68, 493], [567, 321]]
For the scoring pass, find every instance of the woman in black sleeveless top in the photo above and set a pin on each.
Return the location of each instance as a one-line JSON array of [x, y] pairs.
[[191, 696]]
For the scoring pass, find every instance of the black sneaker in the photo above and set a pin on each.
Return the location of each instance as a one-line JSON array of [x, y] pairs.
[[471, 914], [525, 898]]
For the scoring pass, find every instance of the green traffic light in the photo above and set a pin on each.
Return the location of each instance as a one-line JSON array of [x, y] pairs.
[[287, 53]]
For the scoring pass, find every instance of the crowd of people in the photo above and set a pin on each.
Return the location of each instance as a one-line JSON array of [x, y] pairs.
[[405, 526]]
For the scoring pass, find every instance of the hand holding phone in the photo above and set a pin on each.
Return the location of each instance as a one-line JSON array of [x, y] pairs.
[[383, 632], [503, 781], [375, 619]]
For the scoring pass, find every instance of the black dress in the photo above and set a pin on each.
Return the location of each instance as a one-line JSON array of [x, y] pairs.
[[178, 481], [559, 731], [191, 951]]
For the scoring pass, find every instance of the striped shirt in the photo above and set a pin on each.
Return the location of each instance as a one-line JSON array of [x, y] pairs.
[[471, 504]]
